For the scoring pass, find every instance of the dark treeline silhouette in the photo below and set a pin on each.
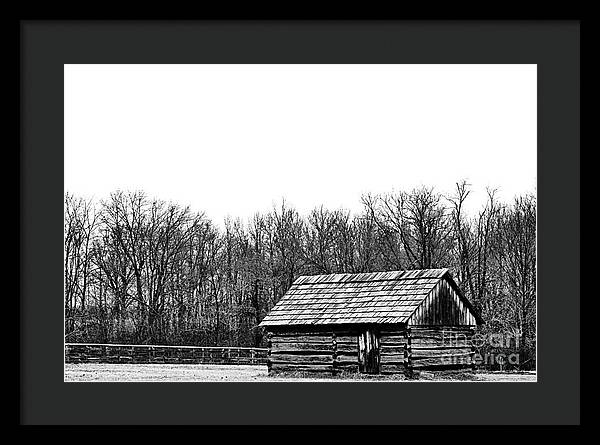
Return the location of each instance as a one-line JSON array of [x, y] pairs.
[[140, 270]]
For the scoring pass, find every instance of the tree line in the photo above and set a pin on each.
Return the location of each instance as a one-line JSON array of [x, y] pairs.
[[143, 271]]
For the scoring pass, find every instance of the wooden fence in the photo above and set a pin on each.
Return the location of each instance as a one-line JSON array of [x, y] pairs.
[[111, 353]]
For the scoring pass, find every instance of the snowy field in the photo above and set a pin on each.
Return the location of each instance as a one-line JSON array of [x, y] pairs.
[[98, 372]]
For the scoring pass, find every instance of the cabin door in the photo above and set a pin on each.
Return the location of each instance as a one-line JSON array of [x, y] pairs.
[[368, 351]]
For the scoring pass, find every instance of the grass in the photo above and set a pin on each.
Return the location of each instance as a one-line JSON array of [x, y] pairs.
[[423, 375], [99, 372], [338, 376]]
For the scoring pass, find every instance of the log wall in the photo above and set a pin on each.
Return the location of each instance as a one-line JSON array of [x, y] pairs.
[[401, 350], [440, 347], [393, 351], [317, 351], [107, 353]]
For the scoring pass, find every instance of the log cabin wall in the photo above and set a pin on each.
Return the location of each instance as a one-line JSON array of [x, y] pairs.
[[335, 349], [440, 347], [401, 350], [331, 350], [393, 353]]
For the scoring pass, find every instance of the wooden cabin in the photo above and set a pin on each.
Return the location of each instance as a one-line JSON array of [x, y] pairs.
[[383, 322]]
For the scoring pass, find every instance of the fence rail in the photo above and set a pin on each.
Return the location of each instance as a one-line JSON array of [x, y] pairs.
[[119, 353]]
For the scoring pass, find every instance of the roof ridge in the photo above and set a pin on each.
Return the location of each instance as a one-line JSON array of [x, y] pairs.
[[375, 272], [366, 281], [349, 277]]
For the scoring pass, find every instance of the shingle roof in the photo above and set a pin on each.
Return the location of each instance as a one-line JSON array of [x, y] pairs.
[[380, 297]]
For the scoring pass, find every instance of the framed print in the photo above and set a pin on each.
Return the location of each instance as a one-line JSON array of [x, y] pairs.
[[284, 222]]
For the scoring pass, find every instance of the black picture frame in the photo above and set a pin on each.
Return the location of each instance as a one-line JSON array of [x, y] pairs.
[[47, 45]]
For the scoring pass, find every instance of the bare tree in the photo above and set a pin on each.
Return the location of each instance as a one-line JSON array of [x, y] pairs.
[[516, 254], [415, 225], [319, 240], [80, 229], [474, 242]]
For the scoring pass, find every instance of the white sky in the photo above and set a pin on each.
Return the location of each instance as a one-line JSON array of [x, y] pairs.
[[235, 139]]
